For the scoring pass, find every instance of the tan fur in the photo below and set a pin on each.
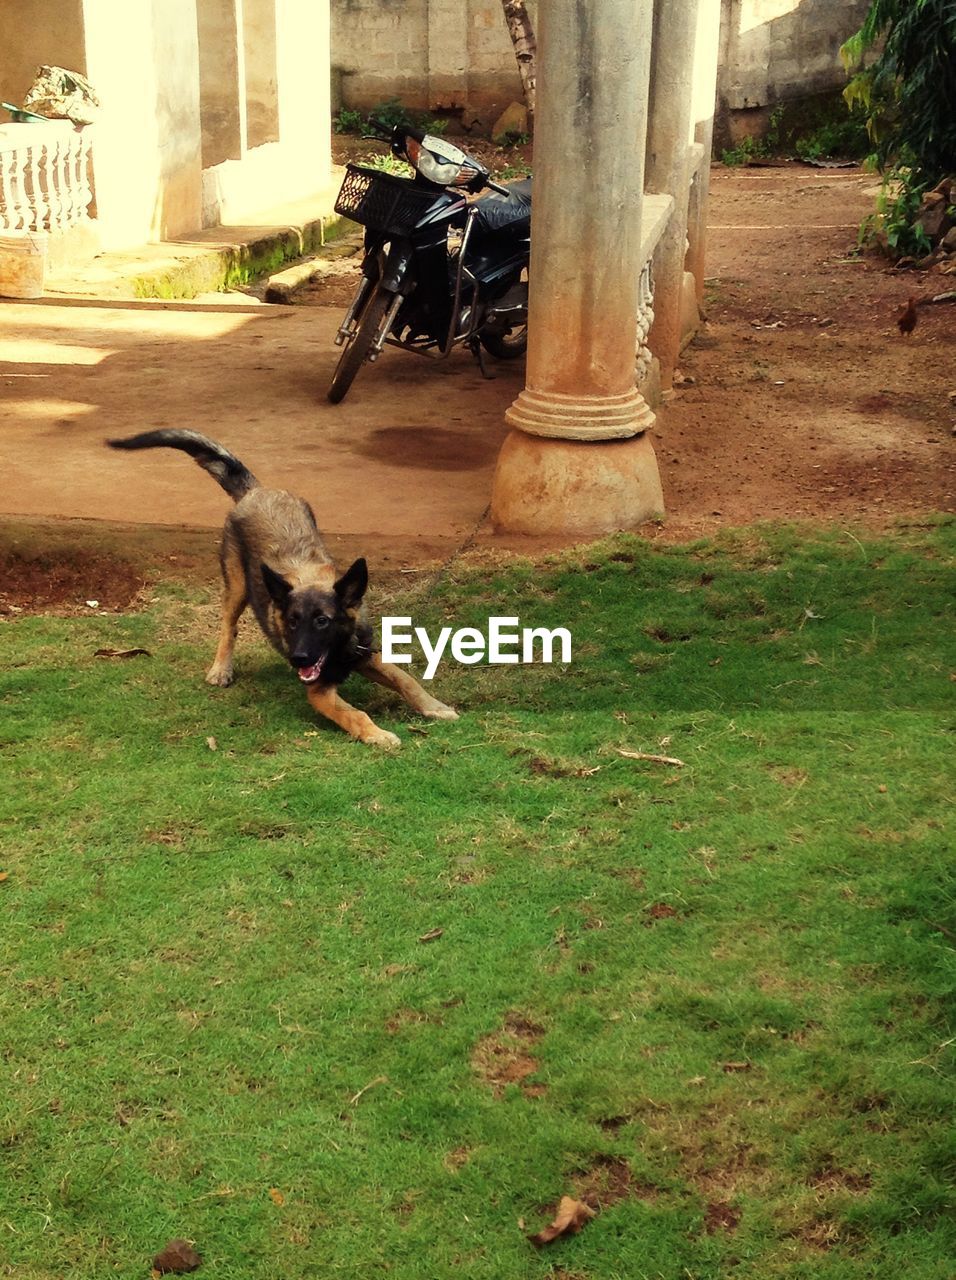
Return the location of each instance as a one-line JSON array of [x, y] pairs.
[[274, 561], [274, 527]]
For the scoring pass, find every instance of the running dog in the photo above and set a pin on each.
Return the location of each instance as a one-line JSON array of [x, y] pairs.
[[273, 559]]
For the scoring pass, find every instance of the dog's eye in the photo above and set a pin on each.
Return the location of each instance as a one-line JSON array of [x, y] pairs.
[[320, 621], [293, 618]]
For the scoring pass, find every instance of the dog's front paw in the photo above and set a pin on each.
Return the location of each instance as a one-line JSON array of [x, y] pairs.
[[220, 676], [439, 711], [381, 738]]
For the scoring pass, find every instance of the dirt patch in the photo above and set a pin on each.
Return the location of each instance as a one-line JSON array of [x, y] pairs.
[[720, 1216], [66, 582], [438, 448], [504, 1057], [829, 414], [659, 911], [787, 776], [456, 1159], [840, 1181], [800, 399], [608, 1181]]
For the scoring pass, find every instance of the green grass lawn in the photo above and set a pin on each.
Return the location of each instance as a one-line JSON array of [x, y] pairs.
[[713, 1001]]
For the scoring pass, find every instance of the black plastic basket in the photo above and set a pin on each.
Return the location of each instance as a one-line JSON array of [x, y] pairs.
[[382, 201]]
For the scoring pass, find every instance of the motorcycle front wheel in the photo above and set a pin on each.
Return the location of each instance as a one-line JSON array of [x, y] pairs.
[[508, 345], [357, 348]]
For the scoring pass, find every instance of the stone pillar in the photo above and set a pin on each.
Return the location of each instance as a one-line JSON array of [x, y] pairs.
[[668, 139], [577, 460], [702, 118]]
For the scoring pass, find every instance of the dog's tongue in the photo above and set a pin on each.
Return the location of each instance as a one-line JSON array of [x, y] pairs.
[[311, 673]]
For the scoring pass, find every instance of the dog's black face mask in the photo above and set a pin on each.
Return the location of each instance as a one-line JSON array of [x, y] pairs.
[[317, 624]]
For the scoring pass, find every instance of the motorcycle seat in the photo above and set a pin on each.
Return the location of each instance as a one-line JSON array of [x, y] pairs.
[[510, 213]]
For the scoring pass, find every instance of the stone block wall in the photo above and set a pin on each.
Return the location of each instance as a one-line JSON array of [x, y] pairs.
[[452, 55], [773, 51], [456, 54]]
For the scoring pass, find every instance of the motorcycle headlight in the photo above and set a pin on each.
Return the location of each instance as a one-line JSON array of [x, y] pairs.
[[445, 172]]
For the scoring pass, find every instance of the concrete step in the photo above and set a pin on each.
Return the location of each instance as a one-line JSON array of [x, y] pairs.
[[211, 260]]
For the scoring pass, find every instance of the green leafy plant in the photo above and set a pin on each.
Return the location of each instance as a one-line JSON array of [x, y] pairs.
[[389, 164], [908, 95], [513, 138], [835, 138], [893, 225], [747, 149], [348, 121], [752, 148], [513, 171], [392, 113]]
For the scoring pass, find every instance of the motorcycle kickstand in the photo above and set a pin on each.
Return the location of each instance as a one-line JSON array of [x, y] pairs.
[[478, 353]]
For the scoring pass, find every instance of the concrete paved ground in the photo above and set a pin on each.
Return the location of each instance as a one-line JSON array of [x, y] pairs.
[[405, 463]]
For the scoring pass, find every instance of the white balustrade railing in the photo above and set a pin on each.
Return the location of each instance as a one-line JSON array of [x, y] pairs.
[[45, 176]]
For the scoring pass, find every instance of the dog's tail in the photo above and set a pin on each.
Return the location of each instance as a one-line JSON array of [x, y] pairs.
[[223, 466]]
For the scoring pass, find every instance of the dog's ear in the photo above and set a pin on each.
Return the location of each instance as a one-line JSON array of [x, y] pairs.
[[353, 584], [276, 585]]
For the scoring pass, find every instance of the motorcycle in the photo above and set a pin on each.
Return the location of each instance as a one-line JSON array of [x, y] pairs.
[[439, 270]]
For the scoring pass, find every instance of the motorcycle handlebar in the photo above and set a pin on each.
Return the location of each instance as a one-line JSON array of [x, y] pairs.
[[388, 132], [395, 133]]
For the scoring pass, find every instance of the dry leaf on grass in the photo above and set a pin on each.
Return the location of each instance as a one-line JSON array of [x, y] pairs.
[[647, 755], [177, 1256], [212, 744], [4, 875], [736, 1066], [572, 1215], [356, 1097], [276, 1196], [431, 935], [122, 653]]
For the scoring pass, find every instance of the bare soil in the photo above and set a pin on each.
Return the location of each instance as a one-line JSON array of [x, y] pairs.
[[798, 400], [807, 402], [802, 400]]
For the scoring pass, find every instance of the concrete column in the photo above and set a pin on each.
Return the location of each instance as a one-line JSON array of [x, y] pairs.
[[702, 118], [577, 460], [668, 137], [147, 155]]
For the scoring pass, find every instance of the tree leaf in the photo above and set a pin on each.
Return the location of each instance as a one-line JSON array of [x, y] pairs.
[[571, 1216], [177, 1256]]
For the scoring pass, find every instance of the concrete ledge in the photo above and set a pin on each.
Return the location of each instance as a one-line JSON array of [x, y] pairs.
[[283, 285], [211, 260], [656, 213], [695, 158]]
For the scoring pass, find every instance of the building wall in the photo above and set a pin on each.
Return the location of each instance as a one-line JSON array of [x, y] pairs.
[[775, 50], [211, 110], [453, 55], [143, 62], [34, 32], [771, 50]]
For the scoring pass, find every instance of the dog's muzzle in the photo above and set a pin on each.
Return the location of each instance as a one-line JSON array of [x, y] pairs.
[[308, 675]]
